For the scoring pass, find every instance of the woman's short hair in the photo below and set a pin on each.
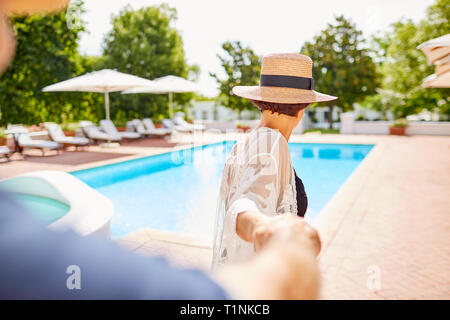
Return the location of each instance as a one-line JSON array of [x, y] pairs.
[[290, 109]]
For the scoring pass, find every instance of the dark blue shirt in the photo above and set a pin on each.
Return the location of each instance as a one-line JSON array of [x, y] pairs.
[[34, 262]]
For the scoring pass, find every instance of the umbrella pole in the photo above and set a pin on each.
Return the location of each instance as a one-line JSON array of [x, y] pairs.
[[108, 144], [107, 104], [170, 106]]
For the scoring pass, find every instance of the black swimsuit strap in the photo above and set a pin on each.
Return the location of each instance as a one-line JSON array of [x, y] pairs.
[[302, 199]]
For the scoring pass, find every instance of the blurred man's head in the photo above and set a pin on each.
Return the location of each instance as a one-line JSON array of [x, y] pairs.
[[27, 7], [21, 7]]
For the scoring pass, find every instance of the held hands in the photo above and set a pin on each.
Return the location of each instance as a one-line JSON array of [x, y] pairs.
[[286, 229], [285, 266]]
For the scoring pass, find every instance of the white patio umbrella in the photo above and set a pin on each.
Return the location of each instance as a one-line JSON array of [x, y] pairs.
[[436, 49], [167, 85], [438, 53], [104, 81], [437, 81]]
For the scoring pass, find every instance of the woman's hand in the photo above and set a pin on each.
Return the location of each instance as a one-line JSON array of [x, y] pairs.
[[286, 228], [247, 222]]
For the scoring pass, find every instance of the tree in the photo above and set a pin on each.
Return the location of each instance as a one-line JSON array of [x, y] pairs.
[[386, 102], [47, 52], [242, 68], [144, 43], [436, 22], [404, 67], [342, 66]]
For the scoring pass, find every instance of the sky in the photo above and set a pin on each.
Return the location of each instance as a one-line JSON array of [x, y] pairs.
[[265, 26]]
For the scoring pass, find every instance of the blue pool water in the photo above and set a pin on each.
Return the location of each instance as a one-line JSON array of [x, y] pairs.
[[177, 191]]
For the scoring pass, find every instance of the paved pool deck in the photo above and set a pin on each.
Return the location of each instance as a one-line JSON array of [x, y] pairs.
[[385, 233]]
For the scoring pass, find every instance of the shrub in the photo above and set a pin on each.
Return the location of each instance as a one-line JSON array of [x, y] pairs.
[[403, 123], [360, 117]]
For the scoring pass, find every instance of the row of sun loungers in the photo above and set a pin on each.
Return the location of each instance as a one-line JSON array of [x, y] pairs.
[[88, 131], [147, 128], [135, 129]]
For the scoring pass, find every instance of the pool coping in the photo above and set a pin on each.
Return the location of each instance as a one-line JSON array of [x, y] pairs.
[[141, 236]]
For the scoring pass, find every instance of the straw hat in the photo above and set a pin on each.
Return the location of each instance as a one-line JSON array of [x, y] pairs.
[[285, 78]]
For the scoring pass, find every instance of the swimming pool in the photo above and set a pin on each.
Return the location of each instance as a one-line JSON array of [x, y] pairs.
[[177, 191]]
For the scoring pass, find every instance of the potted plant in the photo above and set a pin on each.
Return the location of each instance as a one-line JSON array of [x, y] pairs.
[[69, 129], [399, 127], [35, 128], [121, 125], [243, 127], [157, 121], [3, 138]]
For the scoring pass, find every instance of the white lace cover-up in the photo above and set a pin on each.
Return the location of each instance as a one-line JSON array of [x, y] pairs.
[[258, 176]]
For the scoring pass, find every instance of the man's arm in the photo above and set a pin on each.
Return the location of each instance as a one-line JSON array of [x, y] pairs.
[[36, 263]]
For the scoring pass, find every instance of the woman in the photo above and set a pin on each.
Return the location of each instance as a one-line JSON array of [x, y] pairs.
[[259, 182]]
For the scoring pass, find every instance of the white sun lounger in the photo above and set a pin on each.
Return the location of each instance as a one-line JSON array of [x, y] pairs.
[[137, 126], [5, 152], [109, 127], [25, 141], [170, 125], [179, 121], [148, 125], [92, 132], [57, 134]]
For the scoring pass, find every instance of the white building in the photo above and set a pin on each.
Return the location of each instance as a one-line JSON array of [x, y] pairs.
[[318, 118], [210, 110], [359, 121]]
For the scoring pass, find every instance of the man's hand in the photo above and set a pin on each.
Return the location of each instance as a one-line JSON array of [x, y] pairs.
[[286, 229]]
